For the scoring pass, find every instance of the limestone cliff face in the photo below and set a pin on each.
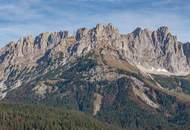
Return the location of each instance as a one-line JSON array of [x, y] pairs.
[[157, 49], [186, 49], [100, 36], [151, 49], [28, 50], [20, 58]]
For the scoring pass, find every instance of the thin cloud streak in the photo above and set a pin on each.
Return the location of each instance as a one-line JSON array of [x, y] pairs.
[[25, 17]]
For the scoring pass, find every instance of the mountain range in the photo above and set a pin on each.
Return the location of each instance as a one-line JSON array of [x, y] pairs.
[[139, 80]]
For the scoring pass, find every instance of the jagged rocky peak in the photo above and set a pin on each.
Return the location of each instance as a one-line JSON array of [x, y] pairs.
[[42, 41], [163, 30], [164, 35], [27, 50], [137, 31], [99, 31], [28, 39], [106, 27], [106, 32], [157, 49], [88, 39], [81, 33], [51, 38]]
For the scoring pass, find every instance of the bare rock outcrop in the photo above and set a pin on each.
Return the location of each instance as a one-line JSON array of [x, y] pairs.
[[156, 50]]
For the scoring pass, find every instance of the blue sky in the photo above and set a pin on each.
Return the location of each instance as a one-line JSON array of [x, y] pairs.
[[24, 17]]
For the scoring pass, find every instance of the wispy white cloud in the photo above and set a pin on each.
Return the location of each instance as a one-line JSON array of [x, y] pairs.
[[24, 17]]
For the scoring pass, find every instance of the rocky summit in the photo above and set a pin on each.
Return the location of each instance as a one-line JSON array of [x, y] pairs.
[[115, 77], [153, 50]]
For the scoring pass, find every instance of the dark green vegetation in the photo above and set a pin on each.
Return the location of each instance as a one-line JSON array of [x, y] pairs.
[[174, 82], [27, 117], [77, 82]]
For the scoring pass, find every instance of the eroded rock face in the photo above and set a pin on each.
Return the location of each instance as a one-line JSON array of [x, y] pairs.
[[28, 54], [101, 35], [97, 103], [156, 50], [151, 49], [186, 49], [139, 90]]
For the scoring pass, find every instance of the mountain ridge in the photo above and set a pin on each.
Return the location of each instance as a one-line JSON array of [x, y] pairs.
[[129, 43], [156, 52], [111, 76]]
